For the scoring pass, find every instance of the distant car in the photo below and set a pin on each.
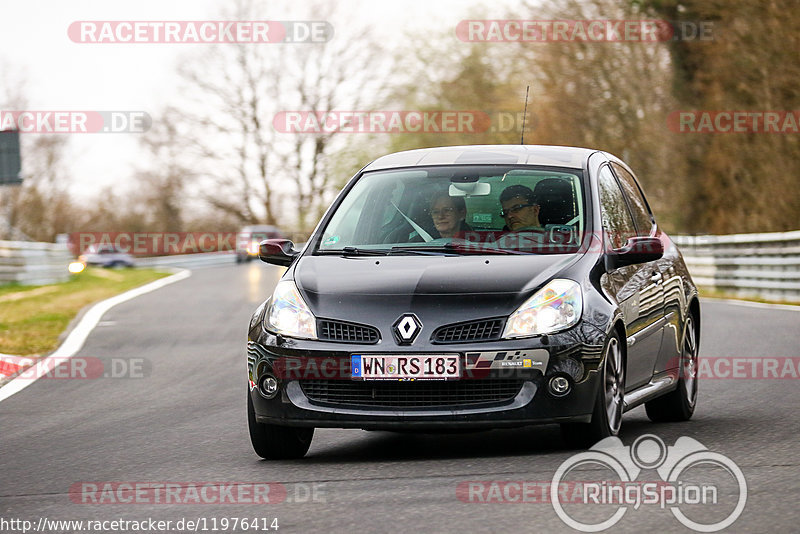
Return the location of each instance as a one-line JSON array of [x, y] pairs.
[[106, 256], [249, 237], [551, 296]]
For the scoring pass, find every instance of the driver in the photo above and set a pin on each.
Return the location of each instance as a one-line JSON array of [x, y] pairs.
[[520, 208]]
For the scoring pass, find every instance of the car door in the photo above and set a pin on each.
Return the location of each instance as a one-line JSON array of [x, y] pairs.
[[637, 288], [671, 283]]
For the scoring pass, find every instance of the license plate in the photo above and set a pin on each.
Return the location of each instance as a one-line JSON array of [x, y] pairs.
[[400, 367]]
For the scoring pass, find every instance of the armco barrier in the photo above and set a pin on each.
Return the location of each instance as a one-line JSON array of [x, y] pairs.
[[32, 263], [747, 265], [764, 266], [204, 259]]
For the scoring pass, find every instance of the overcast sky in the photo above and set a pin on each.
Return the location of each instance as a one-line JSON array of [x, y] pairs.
[[59, 74]]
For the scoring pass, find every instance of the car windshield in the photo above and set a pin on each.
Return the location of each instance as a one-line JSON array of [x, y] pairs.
[[491, 209]]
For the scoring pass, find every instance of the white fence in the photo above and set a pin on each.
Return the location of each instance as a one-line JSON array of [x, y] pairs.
[[764, 266], [32, 263]]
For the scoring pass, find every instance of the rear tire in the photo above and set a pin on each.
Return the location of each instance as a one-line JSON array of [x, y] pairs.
[[609, 404], [679, 404], [275, 442]]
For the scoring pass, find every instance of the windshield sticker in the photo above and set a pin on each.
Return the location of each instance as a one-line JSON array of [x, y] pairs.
[[482, 217]]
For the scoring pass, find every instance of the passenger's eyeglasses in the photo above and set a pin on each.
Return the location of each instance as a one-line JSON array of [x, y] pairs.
[[444, 212], [514, 209]]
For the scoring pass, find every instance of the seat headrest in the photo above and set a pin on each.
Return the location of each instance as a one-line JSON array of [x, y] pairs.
[[555, 197]]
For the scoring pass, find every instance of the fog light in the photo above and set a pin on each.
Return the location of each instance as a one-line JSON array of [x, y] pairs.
[[268, 386], [559, 386]]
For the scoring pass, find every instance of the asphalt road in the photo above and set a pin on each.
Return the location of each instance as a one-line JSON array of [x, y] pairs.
[[184, 421]]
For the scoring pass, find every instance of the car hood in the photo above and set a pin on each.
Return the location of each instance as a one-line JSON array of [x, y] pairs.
[[454, 288]]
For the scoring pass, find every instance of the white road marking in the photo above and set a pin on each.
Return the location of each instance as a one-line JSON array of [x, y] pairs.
[[78, 335]]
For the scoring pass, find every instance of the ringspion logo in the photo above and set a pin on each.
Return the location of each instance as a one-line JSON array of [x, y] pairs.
[[693, 479]]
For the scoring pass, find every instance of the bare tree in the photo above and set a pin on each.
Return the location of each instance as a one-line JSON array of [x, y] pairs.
[[250, 171], [163, 183], [42, 207], [613, 96]]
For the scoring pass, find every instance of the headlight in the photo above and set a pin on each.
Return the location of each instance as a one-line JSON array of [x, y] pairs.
[[252, 248], [288, 314], [555, 307]]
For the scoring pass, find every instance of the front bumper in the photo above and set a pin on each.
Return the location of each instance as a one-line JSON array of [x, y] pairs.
[[300, 404]]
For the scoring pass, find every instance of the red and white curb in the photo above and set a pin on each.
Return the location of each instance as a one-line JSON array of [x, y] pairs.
[[12, 365]]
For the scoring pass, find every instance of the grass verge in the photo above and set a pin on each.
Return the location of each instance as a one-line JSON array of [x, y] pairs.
[[33, 317]]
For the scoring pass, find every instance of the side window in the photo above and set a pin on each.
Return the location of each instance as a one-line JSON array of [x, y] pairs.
[[617, 221], [639, 209]]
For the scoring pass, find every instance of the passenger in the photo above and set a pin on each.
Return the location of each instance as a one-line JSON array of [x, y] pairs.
[[449, 215], [520, 209]]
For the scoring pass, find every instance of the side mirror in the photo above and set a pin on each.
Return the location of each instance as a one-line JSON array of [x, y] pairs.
[[636, 250], [277, 252]]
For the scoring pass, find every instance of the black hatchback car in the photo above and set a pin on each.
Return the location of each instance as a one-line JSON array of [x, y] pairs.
[[475, 287]]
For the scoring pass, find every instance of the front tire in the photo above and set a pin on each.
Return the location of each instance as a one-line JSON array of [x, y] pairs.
[[609, 405], [679, 404], [275, 442]]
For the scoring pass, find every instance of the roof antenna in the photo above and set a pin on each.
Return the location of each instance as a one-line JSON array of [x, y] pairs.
[[524, 114]]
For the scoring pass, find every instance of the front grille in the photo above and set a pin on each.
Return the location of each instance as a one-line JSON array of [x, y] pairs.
[[328, 330], [411, 394], [472, 331]]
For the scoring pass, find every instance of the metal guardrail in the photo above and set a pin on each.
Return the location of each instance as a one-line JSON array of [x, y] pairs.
[[764, 266], [204, 259], [32, 263]]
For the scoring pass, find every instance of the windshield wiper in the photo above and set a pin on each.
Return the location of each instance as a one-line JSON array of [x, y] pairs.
[[353, 251], [422, 250], [452, 249]]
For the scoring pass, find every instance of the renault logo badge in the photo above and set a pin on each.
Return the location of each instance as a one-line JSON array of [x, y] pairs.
[[406, 328]]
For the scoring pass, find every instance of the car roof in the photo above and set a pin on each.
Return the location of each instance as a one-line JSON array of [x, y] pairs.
[[558, 156]]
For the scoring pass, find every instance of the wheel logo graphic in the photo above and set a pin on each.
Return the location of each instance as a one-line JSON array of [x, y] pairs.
[[649, 452]]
